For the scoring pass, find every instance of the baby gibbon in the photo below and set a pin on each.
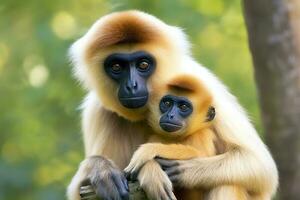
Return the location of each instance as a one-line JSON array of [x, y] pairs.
[[181, 118]]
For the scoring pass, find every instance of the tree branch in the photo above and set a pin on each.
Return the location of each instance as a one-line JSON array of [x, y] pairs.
[[135, 192]]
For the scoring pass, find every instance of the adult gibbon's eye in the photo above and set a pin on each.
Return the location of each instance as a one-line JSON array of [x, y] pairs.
[[116, 67], [183, 107], [143, 65], [167, 103]]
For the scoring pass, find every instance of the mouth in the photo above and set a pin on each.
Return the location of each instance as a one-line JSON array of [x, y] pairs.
[[170, 127], [134, 102]]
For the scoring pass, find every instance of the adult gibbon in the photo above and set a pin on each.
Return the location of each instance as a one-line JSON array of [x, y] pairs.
[[122, 61]]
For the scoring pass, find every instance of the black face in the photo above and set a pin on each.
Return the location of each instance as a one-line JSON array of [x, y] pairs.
[[131, 71], [174, 111]]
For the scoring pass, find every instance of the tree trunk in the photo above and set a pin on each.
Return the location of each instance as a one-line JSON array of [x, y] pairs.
[[274, 38]]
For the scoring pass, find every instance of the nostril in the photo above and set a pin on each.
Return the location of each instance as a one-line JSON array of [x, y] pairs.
[[128, 88], [135, 85], [131, 86], [171, 116]]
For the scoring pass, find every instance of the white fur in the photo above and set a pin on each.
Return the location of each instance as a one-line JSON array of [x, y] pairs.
[[234, 127]]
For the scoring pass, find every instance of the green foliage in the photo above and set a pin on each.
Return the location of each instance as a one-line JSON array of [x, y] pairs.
[[40, 140]]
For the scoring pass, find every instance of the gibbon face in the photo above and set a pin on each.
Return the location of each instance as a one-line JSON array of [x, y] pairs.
[[131, 71], [124, 57], [175, 110], [177, 115], [184, 108]]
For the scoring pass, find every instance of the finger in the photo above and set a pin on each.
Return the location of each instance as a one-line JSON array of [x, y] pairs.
[[164, 163], [172, 171], [170, 193], [102, 189], [174, 179], [125, 182], [134, 174], [127, 175], [121, 187], [106, 189], [163, 196], [131, 176], [87, 190], [86, 182], [159, 157]]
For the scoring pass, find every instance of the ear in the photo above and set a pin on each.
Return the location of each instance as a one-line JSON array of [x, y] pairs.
[[211, 113], [185, 83]]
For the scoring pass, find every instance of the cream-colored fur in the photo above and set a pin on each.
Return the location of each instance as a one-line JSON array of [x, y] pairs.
[[155, 182], [227, 192], [248, 161], [107, 133]]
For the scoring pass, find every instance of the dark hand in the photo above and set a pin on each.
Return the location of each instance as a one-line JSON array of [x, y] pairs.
[[172, 168], [107, 180]]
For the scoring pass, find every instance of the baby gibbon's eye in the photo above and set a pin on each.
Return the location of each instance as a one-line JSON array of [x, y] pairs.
[[165, 104], [143, 65], [185, 107], [116, 67]]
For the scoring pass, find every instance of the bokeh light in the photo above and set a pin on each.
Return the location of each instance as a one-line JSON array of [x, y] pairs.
[[38, 75], [4, 53], [64, 25]]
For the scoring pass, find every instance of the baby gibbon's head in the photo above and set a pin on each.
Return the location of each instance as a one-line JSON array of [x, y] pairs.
[[184, 108]]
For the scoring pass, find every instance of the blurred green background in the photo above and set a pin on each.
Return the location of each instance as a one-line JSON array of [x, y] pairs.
[[40, 137]]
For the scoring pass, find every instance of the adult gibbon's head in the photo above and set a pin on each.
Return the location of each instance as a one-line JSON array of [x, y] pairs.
[[124, 56], [184, 108]]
